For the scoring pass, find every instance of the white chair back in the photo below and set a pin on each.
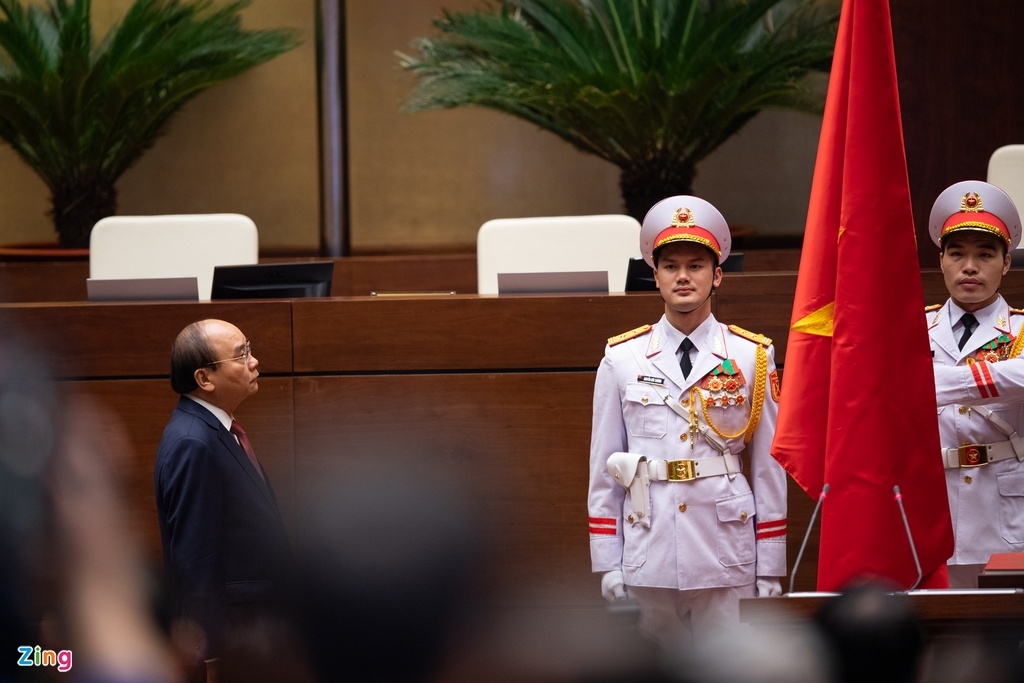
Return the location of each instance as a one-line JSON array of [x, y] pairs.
[[556, 244], [183, 245], [1006, 171]]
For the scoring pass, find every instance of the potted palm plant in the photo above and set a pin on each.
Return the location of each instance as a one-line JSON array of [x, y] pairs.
[[80, 112], [653, 86]]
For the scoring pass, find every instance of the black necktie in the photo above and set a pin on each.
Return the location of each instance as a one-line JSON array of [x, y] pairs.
[[684, 359], [969, 322]]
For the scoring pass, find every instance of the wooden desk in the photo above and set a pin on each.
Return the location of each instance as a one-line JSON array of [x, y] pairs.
[[943, 614], [35, 281]]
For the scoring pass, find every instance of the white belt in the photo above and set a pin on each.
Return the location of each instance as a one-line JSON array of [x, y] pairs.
[[977, 454], [688, 470]]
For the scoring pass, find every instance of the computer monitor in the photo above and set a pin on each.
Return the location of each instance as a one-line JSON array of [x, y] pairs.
[[273, 280], [640, 276]]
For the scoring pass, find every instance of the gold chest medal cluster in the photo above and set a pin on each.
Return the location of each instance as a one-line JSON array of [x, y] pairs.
[[996, 350], [723, 385]]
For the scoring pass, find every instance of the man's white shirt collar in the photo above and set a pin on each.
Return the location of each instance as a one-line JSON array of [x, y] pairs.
[[219, 413]]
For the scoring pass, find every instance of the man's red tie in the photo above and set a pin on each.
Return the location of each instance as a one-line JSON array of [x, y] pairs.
[[243, 441]]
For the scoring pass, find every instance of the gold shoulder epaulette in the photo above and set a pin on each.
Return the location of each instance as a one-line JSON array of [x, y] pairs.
[[626, 336], [1016, 311], [932, 307], [752, 336]]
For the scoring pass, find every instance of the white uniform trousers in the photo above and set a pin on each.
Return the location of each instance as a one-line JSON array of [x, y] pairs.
[[964, 575], [672, 617]]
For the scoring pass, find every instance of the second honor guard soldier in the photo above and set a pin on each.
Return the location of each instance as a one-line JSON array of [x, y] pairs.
[[674, 524], [976, 340]]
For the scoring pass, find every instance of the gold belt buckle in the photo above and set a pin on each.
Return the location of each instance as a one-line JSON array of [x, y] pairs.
[[680, 470], [973, 455]]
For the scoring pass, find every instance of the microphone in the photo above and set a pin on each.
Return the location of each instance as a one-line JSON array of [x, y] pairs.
[[906, 525], [799, 555]]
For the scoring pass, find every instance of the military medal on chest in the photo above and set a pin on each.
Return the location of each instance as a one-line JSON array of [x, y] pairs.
[[723, 385], [995, 350]]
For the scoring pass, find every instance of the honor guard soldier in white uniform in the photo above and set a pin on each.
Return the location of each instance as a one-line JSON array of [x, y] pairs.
[[979, 381], [674, 523]]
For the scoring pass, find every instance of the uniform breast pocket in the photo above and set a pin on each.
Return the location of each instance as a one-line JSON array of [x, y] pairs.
[[1011, 505], [645, 412], [736, 530], [635, 539]]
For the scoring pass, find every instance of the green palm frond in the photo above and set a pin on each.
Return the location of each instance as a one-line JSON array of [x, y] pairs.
[[636, 82], [81, 112]]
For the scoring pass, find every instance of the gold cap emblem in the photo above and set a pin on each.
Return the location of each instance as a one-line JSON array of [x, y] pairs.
[[683, 219], [971, 203]]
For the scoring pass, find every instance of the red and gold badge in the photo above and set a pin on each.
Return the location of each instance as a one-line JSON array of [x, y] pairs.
[[773, 378], [723, 385], [996, 350]]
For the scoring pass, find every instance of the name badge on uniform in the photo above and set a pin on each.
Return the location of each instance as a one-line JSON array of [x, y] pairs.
[[648, 379]]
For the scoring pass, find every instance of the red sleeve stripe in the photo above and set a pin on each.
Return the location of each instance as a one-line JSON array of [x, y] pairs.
[[773, 533], [771, 524], [983, 379], [771, 529], [602, 526]]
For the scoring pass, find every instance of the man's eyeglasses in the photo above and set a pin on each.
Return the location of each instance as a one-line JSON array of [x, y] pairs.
[[244, 357]]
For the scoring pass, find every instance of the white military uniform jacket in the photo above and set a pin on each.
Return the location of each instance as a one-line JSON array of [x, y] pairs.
[[986, 502], [708, 532]]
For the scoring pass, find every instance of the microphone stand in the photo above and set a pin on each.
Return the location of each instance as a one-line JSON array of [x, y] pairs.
[[799, 555], [906, 525]]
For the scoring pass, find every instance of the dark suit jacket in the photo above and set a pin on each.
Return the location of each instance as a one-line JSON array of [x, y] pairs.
[[224, 542]]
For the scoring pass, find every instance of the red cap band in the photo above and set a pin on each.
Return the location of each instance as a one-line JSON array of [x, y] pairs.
[[687, 234]]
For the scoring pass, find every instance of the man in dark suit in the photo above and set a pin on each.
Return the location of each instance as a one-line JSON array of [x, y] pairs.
[[224, 542]]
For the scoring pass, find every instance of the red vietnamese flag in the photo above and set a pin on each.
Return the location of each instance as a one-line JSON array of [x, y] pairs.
[[858, 405]]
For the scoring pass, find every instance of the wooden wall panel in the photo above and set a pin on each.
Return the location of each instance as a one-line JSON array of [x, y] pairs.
[[514, 445], [958, 68], [139, 409], [463, 332], [359, 276], [32, 281], [93, 340]]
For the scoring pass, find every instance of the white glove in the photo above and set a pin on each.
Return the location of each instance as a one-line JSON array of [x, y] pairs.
[[611, 586], [768, 587]]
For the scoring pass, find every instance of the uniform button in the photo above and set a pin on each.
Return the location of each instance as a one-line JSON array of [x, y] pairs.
[[962, 409], [630, 519], [644, 400], [682, 507], [743, 516], [967, 479], [965, 443], [683, 436]]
